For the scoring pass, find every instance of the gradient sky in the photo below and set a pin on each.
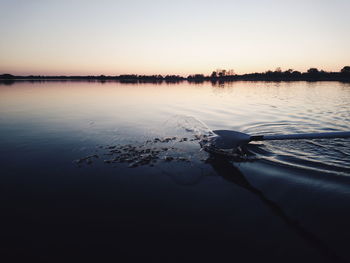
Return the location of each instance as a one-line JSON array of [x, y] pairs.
[[69, 37]]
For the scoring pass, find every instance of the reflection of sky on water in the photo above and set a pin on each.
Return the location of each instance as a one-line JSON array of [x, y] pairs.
[[45, 126], [36, 113]]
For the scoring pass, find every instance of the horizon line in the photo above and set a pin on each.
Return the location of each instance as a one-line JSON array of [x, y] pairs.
[[217, 72]]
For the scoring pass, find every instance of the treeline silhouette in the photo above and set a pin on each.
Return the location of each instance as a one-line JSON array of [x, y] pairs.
[[313, 74]]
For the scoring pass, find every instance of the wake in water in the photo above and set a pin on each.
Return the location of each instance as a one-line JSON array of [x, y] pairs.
[[186, 140]]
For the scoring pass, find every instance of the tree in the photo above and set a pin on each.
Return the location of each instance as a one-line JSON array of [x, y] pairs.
[[345, 70], [296, 73], [222, 73], [312, 71], [6, 76]]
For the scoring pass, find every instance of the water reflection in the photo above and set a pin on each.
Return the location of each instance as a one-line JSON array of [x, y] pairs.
[[44, 126], [224, 168], [129, 111]]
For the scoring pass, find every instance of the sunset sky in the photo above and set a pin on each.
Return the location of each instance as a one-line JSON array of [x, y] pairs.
[[82, 37]]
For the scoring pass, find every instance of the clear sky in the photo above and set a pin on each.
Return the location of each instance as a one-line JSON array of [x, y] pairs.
[[69, 37]]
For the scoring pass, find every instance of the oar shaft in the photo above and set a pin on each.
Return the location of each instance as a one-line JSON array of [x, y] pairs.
[[301, 136]]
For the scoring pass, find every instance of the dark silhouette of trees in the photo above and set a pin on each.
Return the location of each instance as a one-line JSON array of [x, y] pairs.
[[7, 79], [196, 78], [345, 70], [288, 72], [7, 76], [296, 74], [220, 75], [173, 78], [312, 71], [223, 72]]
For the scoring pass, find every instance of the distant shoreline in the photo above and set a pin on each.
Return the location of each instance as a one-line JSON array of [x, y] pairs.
[[312, 74]]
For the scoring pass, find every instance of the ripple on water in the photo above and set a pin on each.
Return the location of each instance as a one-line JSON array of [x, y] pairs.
[[325, 155]]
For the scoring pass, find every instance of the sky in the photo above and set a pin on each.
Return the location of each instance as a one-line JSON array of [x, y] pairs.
[[85, 37]]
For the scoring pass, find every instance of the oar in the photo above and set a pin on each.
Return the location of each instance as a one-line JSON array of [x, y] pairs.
[[226, 139]]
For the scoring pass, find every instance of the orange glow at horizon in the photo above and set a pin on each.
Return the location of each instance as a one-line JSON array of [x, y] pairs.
[[182, 38]]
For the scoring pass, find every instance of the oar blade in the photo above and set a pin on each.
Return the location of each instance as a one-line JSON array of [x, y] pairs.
[[227, 139]]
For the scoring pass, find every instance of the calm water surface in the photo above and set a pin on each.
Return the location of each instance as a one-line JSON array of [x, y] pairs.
[[290, 203]]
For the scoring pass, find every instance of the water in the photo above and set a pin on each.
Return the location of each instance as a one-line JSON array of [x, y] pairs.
[[289, 202]]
